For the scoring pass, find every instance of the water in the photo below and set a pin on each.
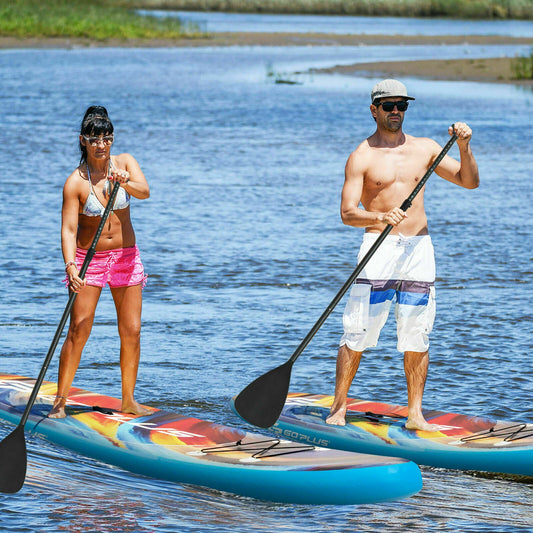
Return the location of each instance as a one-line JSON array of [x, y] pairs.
[[244, 248], [215, 22]]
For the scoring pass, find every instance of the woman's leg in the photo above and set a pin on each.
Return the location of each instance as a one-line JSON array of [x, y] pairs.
[[81, 323], [128, 303]]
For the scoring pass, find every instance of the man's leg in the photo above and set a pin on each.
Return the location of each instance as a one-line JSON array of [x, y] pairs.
[[347, 365], [416, 368]]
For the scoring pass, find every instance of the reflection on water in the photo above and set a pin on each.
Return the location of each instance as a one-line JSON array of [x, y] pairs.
[[244, 249]]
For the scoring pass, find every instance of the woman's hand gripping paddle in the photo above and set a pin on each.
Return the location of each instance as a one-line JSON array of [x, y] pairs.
[[13, 457], [261, 402]]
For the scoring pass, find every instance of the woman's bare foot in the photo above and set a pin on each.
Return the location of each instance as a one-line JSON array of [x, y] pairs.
[[135, 408], [421, 425], [58, 409], [337, 418]]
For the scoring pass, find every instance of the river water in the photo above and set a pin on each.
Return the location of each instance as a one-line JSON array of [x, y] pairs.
[[244, 248], [253, 22]]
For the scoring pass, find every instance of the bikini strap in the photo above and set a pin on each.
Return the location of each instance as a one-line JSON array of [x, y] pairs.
[[91, 188]]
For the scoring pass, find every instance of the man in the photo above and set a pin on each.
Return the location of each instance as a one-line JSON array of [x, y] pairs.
[[380, 174]]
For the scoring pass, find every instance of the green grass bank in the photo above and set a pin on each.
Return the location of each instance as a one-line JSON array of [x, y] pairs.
[[475, 9], [97, 19]]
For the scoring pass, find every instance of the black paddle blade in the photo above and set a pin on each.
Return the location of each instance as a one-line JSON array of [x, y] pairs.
[[13, 461], [261, 402]]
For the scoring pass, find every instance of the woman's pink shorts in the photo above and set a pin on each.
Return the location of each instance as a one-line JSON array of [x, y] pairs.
[[121, 267]]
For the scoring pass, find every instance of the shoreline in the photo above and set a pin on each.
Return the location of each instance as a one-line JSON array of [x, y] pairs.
[[491, 70]]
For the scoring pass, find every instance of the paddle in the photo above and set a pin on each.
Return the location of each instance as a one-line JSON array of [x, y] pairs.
[[262, 401], [13, 457]]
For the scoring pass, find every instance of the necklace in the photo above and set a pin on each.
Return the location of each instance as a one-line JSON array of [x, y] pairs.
[[107, 184]]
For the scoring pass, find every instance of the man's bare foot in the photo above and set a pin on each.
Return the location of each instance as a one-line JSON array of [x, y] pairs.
[[58, 409], [133, 408], [337, 418], [421, 425]]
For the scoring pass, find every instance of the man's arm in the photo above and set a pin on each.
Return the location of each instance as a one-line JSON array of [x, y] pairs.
[[464, 173]]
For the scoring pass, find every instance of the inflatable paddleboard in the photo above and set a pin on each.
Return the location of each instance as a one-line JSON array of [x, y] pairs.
[[462, 442], [167, 446]]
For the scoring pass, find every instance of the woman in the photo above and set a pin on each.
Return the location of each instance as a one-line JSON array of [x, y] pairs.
[[116, 261]]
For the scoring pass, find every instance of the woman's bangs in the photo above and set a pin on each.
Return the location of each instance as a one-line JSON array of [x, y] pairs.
[[98, 126]]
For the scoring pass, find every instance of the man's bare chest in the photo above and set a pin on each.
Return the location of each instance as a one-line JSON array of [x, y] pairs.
[[395, 170]]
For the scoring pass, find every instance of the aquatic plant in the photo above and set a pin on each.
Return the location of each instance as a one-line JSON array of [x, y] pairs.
[[522, 67], [279, 77]]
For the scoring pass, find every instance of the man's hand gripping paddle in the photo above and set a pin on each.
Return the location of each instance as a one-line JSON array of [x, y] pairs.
[[261, 402], [13, 456]]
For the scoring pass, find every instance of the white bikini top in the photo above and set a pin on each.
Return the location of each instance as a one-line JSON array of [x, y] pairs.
[[94, 208]]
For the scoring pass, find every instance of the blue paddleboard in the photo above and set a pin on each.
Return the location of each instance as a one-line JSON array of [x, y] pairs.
[[462, 442], [165, 445]]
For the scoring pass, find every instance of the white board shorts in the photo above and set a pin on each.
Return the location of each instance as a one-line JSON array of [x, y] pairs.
[[402, 269]]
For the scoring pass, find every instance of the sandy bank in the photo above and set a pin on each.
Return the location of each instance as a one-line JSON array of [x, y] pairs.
[[263, 39], [493, 70]]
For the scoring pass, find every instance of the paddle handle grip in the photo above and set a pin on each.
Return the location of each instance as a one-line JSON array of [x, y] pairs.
[[361, 265], [70, 303]]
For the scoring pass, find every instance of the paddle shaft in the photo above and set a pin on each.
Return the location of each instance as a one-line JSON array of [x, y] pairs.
[[406, 204], [90, 253]]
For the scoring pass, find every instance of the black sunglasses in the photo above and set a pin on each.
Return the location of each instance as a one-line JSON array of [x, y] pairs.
[[401, 105]]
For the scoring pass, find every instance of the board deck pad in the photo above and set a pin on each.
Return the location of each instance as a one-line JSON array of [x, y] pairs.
[[168, 446], [462, 441]]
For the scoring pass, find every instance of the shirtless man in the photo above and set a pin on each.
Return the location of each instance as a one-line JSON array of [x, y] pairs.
[[380, 174]]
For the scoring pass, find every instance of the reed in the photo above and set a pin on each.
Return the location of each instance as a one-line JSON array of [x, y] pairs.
[[98, 19], [522, 67], [478, 9]]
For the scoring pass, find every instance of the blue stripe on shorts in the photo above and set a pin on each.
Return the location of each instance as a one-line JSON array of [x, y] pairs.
[[406, 292]]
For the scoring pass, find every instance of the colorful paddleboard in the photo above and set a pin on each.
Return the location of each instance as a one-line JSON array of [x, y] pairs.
[[462, 442], [168, 446]]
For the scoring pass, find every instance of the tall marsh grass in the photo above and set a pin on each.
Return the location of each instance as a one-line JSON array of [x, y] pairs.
[[96, 19], [522, 67], [479, 9]]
